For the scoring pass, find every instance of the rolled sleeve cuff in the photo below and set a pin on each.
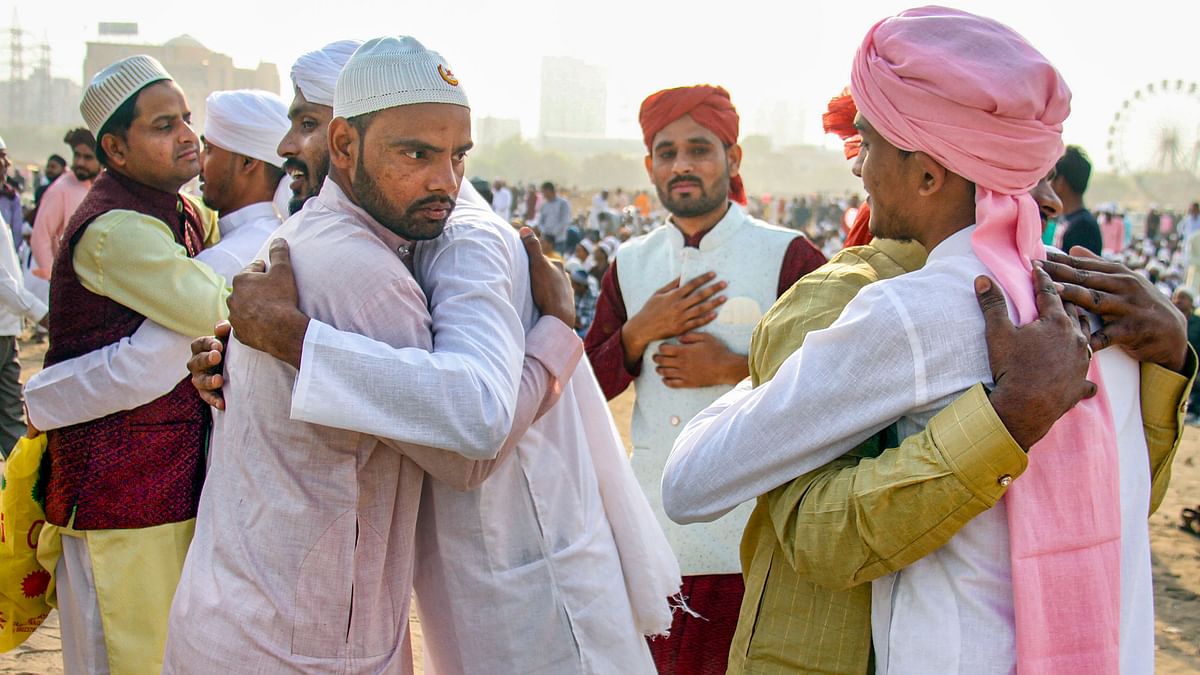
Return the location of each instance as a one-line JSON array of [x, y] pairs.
[[1165, 392], [976, 445], [37, 309], [317, 334], [554, 345]]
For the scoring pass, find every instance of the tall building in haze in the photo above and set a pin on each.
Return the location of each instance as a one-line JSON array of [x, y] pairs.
[[574, 99]]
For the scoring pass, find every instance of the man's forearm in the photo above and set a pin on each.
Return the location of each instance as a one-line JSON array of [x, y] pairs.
[[875, 516]]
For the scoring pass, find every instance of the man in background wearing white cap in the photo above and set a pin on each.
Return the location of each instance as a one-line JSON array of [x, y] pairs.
[[305, 148], [554, 564], [239, 175], [122, 490], [303, 554]]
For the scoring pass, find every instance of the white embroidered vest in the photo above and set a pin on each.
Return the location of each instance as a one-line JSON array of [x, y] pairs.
[[746, 253]]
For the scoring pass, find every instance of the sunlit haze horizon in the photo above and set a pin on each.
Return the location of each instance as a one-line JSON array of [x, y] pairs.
[[791, 56]]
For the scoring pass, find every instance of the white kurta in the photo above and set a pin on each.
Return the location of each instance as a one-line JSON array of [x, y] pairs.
[[303, 553], [142, 367], [902, 350], [523, 574]]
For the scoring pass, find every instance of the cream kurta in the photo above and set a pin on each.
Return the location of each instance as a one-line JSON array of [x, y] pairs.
[[302, 558]]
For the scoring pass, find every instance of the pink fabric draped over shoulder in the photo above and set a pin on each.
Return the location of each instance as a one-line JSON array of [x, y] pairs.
[[975, 96]]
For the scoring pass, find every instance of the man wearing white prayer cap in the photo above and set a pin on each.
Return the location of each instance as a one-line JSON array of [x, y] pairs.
[[123, 488], [304, 554], [555, 564], [306, 147], [239, 172]]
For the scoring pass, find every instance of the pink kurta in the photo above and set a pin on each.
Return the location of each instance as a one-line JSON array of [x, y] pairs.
[[56, 208], [303, 553]]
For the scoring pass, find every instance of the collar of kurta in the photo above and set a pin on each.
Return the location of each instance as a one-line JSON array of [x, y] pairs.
[[166, 206], [258, 211], [334, 198], [956, 244], [714, 236]]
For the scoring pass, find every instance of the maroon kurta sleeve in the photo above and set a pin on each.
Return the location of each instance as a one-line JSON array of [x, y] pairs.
[[603, 343], [800, 258]]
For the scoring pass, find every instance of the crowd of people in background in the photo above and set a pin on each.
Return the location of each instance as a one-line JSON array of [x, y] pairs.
[[354, 456]]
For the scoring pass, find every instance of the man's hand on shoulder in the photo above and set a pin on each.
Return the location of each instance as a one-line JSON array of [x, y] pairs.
[[1133, 313], [1039, 369], [552, 292], [264, 307]]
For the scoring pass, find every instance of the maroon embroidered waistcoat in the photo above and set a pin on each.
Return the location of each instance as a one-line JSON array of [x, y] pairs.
[[135, 468]]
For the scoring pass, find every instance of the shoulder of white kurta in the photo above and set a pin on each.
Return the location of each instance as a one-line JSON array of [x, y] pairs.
[[774, 229], [650, 238], [475, 233]]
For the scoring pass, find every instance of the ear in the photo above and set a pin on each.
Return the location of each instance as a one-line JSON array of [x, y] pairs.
[[932, 174], [248, 165], [734, 158], [649, 162], [343, 144], [115, 147]]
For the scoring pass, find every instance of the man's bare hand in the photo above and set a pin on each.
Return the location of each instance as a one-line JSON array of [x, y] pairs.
[[552, 291], [264, 307], [1040, 369], [30, 430], [699, 360], [674, 309], [1134, 315], [206, 364]]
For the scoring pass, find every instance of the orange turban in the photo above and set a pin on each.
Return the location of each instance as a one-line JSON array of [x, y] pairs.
[[709, 106], [839, 119]]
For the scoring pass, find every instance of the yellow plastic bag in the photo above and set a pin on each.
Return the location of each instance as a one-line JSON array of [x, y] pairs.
[[23, 582]]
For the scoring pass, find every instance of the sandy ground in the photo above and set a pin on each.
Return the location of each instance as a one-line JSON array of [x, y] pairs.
[[1176, 567]]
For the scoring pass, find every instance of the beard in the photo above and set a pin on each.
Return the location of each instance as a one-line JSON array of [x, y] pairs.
[[83, 175], [690, 207], [407, 223], [311, 184]]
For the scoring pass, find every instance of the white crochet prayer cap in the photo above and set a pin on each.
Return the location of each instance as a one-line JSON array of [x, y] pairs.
[[248, 122], [115, 84], [393, 71], [315, 74]]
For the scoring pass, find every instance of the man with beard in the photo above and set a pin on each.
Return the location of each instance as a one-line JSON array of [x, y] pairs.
[[1034, 561], [239, 174], [122, 490], [558, 545], [674, 317], [305, 147], [61, 199]]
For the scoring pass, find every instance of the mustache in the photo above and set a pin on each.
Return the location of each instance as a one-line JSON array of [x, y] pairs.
[[431, 200], [292, 163], [679, 180]]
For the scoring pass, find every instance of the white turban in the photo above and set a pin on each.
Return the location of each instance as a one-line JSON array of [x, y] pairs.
[[315, 74], [248, 122]]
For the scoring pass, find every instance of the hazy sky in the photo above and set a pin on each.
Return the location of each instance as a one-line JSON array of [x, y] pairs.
[[785, 50]]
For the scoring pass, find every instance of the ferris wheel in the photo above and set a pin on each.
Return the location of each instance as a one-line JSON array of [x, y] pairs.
[[1157, 130]]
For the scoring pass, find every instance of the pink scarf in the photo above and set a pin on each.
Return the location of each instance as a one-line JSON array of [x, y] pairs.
[[974, 95]]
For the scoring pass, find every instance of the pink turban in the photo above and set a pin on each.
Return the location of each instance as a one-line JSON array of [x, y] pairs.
[[975, 96], [711, 108]]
